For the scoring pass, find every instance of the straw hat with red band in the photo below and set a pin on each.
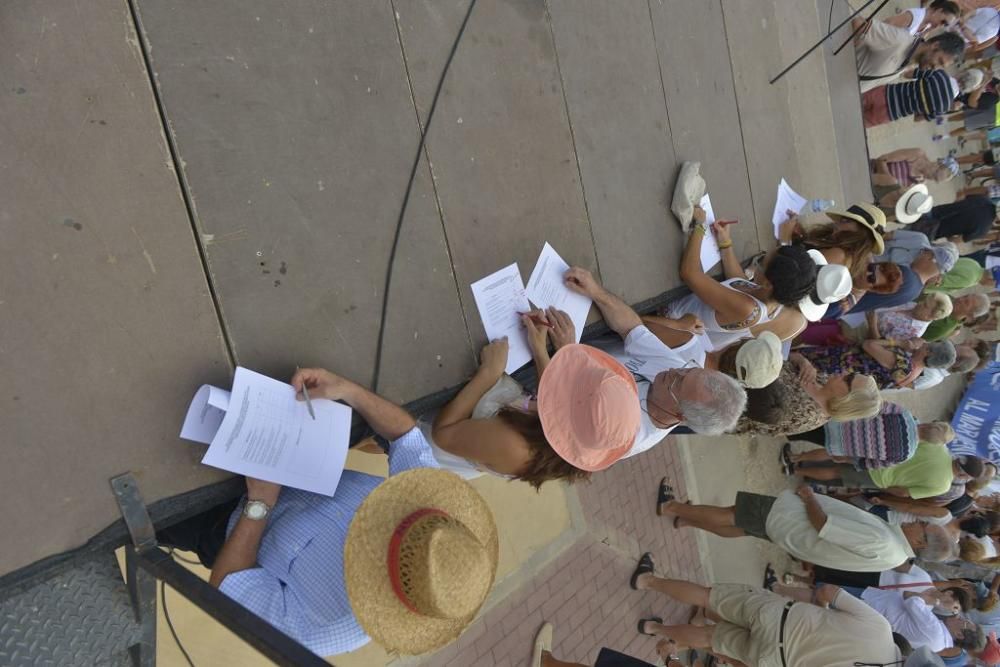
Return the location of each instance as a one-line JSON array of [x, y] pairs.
[[871, 218], [588, 404], [419, 561]]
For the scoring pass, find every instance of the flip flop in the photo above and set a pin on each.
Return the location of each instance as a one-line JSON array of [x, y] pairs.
[[645, 565], [770, 578], [785, 458], [664, 494], [642, 623]]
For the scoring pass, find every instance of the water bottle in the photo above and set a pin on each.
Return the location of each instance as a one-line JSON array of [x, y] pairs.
[[817, 206]]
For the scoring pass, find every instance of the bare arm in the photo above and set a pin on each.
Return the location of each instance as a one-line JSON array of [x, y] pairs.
[[879, 352], [240, 549], [908, 154], [493, 360], [817, 517], [872, 318], [919, 509], [729, 305], [619, 315], [385, 417]]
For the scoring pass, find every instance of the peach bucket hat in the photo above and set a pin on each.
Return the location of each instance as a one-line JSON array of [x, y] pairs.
[[588, 404]]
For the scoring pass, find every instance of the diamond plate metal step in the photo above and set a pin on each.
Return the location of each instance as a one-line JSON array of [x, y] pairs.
[[81, 616]]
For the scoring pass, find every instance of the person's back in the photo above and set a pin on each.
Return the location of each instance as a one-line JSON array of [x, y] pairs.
[[883, 50], [972, 218], [927, 473], [847, 632]]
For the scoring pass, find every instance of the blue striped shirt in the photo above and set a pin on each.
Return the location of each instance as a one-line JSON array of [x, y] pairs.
[[298, 583], [930, 94]]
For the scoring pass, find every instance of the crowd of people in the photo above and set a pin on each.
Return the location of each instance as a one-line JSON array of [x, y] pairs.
[[897, 538]]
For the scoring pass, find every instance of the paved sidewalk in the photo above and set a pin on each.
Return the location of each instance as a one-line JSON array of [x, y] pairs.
[[584, 592]]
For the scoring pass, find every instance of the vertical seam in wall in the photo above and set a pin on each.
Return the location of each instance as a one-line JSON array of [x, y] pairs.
[[182, 182], [739, 119], [572, 135], [659, 68], [430, 169]]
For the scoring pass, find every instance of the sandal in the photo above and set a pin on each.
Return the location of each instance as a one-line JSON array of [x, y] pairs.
[[785, 458], [770, 578], [645, 565], [642, 624], [664, 494], [788, 579]]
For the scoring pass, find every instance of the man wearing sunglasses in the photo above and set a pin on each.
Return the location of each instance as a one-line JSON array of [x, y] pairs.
[[672, 389]]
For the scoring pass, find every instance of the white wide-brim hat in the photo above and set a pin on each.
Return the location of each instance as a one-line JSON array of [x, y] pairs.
[[913, 204], [833, 283]]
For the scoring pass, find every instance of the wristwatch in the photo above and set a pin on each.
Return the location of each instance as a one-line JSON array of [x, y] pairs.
[[256, 510]]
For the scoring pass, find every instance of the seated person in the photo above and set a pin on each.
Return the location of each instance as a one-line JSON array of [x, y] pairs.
[[802, 399], [966, 273], [671, 389], [965, 310], [900, 322], [730, 308], [894, 172], [850, 239], [891, 364], [967, 360]]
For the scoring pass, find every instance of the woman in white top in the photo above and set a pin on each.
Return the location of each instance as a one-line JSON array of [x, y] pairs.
[[919, 20], [492, 425], [730, 308], [910, 320]]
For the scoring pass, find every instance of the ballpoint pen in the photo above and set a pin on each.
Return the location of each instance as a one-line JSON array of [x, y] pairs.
[[305, 393]]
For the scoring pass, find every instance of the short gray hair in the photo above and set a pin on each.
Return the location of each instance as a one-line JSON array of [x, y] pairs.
[[939, 547], [940, 304], [722, 411], [940, 354], [982, 304]]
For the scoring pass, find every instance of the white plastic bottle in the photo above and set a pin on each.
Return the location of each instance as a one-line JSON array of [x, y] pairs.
[[817, 205]]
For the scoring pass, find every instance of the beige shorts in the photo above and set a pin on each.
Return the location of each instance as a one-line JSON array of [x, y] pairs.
[[751, 622]]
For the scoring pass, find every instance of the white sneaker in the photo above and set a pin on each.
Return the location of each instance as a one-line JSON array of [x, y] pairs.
[[543, 642]]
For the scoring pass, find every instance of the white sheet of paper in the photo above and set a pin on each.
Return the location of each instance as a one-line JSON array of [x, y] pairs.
[[547, 288], [269, 435], [501, 299], [788, 200], [205, 414], [710, 255]]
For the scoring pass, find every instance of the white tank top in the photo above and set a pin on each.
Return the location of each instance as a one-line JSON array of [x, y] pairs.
[[719, 337], [918, 14]]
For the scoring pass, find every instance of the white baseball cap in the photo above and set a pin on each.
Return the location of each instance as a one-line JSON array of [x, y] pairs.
[[759, 360]]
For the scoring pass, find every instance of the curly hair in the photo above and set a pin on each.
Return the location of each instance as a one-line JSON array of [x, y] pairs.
[[792, 274], [545, 465]]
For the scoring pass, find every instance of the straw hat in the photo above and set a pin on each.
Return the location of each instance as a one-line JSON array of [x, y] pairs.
[[913, 204], [759, 360], [870, 217], [420, 558], [833, 283], [588, 404]]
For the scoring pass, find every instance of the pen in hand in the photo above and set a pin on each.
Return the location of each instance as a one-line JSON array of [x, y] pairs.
[[305, 393]]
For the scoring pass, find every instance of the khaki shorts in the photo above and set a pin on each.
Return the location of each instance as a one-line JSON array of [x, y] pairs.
[[751, 512], [751, 621]]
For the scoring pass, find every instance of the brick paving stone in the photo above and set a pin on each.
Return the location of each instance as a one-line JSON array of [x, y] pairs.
[[584, 592]]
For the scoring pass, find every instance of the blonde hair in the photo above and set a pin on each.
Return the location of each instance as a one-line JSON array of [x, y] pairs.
[[940, 303], [971, 551], [857, 404], [939, 433]]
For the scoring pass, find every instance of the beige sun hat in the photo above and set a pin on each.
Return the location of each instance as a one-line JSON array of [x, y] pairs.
[[759, 361], [870, 217], [419, 561]]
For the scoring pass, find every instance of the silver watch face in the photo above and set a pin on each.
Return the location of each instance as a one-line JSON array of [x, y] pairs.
[[255, 509]]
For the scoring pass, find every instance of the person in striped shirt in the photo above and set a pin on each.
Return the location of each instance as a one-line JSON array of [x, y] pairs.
[[930, 94]]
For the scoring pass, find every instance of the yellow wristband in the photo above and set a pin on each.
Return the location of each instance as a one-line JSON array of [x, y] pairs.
[[727, 244], [699, 228]]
